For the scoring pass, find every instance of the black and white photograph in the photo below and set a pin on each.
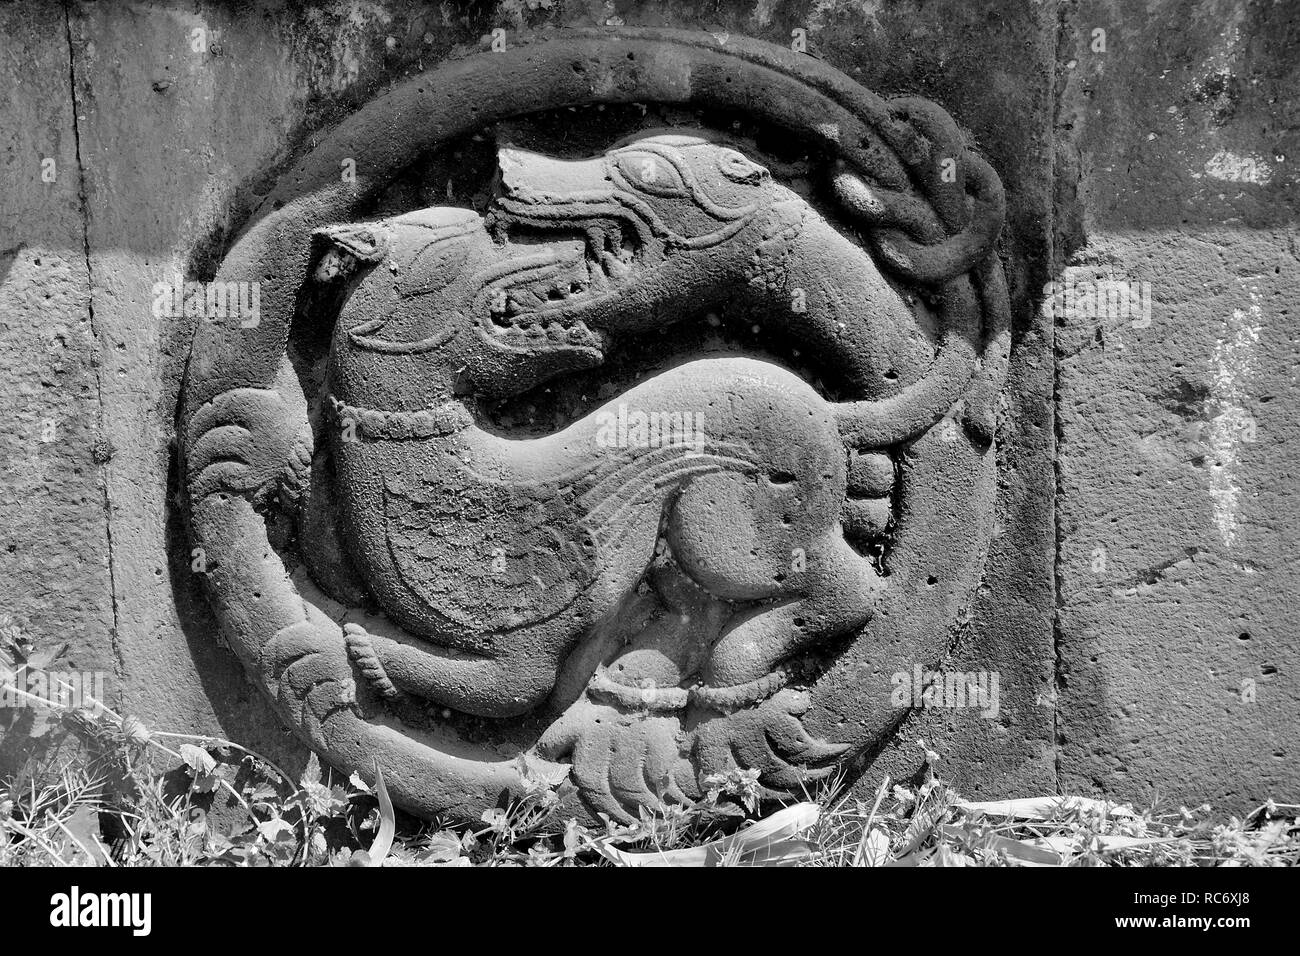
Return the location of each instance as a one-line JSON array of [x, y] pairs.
[[644, 434]]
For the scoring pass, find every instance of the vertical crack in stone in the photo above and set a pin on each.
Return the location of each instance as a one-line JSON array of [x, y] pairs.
[[118, 663], [1064, 234]]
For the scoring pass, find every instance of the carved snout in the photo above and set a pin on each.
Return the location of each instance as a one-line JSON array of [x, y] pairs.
[[534, 179]]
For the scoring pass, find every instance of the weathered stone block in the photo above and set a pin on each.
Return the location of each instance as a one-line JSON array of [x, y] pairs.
[[1100, 523]]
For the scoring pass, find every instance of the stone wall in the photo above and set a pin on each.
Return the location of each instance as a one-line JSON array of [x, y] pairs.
[[1138, 599], [1175, 505]]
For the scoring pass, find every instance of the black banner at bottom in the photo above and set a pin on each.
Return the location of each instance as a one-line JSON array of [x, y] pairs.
[[130, 906]]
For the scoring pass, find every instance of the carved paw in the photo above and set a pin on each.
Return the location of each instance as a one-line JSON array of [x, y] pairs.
[[769, 738], [248, 441], [621, 761]]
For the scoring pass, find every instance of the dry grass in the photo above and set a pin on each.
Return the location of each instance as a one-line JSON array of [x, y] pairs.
[[129, 796]]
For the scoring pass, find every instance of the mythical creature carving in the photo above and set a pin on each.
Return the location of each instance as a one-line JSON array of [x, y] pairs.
[[651, 592]]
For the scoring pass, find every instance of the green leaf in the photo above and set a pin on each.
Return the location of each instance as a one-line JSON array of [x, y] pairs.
[[197, 759], [379, 850], [444, 847], [311, 775], [275, 830]]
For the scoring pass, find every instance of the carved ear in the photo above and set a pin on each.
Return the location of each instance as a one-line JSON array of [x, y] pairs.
[[348, 246], [364, 241], [443, 219]]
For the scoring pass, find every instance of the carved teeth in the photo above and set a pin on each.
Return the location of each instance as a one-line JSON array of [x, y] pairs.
[[608, 253], [533, 328], [529, 313]]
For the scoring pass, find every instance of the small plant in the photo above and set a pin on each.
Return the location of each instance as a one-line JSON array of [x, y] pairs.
[[132, 796]]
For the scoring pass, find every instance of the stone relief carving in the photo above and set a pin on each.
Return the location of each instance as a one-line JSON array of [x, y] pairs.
[[709, 555]]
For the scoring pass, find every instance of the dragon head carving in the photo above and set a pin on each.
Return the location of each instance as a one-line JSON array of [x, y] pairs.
[[572, 253], [651, 214]]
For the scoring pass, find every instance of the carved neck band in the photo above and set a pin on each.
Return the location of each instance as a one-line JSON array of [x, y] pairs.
[[395, 425]]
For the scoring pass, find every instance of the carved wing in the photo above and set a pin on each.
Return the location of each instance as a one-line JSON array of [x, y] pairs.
[[485, 556]]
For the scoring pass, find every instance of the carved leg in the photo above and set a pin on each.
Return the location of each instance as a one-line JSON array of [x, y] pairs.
[[505, 686], [839, 598]]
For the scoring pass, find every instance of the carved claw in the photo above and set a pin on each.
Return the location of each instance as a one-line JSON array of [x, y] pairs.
[[248, 441], [621, 761], [771, 739]]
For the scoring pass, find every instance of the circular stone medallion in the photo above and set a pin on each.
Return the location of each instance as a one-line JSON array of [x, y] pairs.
[[624, 415]]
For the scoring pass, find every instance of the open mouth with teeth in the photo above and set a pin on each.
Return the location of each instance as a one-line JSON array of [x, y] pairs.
[[561, 274]]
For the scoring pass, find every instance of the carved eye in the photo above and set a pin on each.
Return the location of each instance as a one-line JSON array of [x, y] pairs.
[[739, 168], [433, 267], [651, 173]]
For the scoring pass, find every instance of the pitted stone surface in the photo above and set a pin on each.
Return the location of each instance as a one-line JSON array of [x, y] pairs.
[[55, 589], [1177, 503]]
